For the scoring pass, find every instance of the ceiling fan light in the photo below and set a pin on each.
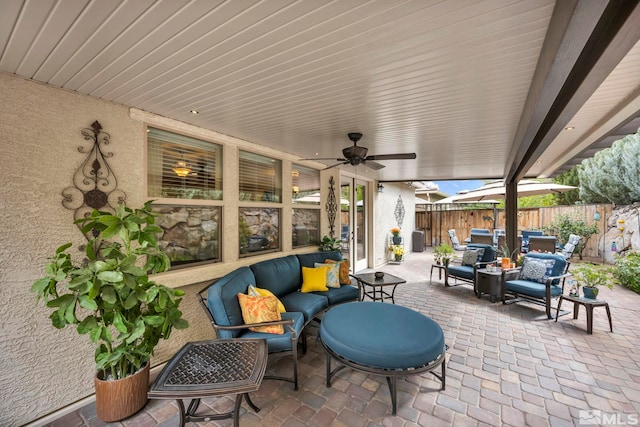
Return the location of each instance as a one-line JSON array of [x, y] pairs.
[[181, 169]]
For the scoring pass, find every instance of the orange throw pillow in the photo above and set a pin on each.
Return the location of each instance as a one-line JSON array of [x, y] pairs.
[[345, 279], [258, 310]]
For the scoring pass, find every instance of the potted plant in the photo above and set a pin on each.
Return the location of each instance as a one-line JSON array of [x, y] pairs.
[[397, 251], [443, 254], [591, 277], [329, 244], [110, 298], [396, 239]]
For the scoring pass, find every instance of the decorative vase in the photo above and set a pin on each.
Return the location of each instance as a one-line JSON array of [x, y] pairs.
[[119, 399], [590, 293], [396, 240]]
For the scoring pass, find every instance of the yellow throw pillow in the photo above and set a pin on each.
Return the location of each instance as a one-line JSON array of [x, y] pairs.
[[258, 310], [259, 292], [344, 277], [314, 279]]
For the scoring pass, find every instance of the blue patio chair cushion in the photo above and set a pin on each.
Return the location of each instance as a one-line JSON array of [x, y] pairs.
[[222, 299], [560, 263], [309, 304], [279, 342], [472, 255], [463, 271], [533, 289], [489, 253], [536, 270], [279, 275], [339, 295], [420, 340]]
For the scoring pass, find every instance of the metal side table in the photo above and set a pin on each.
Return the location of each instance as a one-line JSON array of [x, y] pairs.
[[212, 368]]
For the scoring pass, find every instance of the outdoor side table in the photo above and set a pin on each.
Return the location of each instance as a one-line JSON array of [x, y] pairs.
[[441, 268], [488, 282], [588, 304], [377, 292], [212, 368]]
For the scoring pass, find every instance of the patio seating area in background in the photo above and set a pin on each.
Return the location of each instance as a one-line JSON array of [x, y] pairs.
[[503, 368]]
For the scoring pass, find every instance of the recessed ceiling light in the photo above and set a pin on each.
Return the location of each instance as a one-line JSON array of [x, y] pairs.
[[194, 111], [569, 128]]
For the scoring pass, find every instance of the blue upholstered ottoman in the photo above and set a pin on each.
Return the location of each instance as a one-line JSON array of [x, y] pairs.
[[382, 339]]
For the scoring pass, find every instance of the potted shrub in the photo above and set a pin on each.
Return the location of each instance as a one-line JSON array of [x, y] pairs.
[[443, 254], [110, 298], [329, 244], [591, 277]]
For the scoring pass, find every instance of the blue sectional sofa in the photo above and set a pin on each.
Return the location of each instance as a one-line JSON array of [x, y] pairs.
[[467, 271], [283, 277]]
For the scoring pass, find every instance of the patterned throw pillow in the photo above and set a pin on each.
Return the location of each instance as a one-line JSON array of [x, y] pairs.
[[333, 273], [536, 270], [472, 255], [259, 292], [345, 279], [260, 309], [314, 279]]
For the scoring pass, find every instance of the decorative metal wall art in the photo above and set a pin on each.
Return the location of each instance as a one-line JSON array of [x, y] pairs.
[[94, 184], [332, 207], [399, 211]]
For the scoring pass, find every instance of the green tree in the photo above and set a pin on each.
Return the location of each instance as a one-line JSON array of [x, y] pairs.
[[611, 175], [569, 177], [565, 224]]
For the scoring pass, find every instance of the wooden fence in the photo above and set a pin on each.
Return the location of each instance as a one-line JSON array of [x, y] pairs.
[[435, 223]]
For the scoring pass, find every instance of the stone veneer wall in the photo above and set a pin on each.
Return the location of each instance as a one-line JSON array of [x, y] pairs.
[[44, 369]]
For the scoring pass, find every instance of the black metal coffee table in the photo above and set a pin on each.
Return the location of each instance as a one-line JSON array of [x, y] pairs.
[[377, 292], [212, 368]]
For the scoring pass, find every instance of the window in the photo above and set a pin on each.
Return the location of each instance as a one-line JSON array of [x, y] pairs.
[[259, 230], [182, 167], [306, 227], [260, 178], [190, 234], [306, 185]]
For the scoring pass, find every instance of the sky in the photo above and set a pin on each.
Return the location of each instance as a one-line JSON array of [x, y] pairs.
[[452, 187]]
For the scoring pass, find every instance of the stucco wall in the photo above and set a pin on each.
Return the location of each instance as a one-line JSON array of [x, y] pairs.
[[44, 369], [385, 219]]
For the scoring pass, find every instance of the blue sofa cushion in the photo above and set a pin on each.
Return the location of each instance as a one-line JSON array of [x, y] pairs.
[[489, 253], [463, 271], [281, 276], [222, 299], [280, 342], [420, 340], [339, 295], [532, 289], [309, 304], [308, 260]]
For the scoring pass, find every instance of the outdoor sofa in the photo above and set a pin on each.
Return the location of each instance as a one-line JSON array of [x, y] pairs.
[[282, 277]]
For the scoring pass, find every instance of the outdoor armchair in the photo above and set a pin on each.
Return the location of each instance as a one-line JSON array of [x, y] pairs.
[[540, 279], [455, 243], [482, 238], [465, 268], [570, 246], [526, 234], [542, 244]]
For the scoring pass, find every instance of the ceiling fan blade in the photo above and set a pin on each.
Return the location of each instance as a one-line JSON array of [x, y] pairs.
[[337, 164], [325, 158], [396, 156], [372, 165]]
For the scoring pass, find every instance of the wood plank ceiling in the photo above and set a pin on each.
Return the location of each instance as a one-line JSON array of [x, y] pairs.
[[467, 85]]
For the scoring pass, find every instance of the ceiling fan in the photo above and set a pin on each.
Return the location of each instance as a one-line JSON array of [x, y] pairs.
[[356, 155]]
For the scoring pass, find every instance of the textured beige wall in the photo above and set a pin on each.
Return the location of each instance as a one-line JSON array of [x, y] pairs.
[[44, 369]]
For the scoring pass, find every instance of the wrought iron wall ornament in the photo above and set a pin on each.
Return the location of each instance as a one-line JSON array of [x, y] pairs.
[[399, 211], [332, 207], [94, 184]]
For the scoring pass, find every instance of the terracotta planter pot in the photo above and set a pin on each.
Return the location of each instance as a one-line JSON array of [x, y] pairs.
[[119, 399]]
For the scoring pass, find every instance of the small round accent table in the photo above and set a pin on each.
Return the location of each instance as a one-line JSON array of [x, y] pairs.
[[382, 339]]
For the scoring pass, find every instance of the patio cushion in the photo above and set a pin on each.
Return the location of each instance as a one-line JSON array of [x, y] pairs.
[[309, 304], [532, 289], [472, 255], [314, 279], [280, 275], [536, 270], [343, 274], [339, 295], [282, 342], [222, 299], [333, 274], [463, 271], [259, 292], [560, 263], [260, 309]]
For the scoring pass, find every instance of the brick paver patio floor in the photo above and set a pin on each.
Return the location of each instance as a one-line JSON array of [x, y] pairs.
[[504, 368]]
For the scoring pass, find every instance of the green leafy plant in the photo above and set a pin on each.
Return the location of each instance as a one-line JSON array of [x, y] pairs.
[[592, 276], [109, 295], [564, 225], [443, 253], [329, 244], [626, 271]]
